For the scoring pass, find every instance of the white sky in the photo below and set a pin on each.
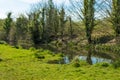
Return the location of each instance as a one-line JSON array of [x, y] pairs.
[[20, 6]]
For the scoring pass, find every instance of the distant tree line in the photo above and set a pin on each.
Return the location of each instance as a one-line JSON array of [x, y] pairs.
[[47, 22], [41, 25]]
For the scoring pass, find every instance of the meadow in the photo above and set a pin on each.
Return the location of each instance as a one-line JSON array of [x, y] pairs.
[[33, 64]]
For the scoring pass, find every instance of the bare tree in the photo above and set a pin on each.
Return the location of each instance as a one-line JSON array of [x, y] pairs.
[[113, 12], [85, 10], [116, 18]]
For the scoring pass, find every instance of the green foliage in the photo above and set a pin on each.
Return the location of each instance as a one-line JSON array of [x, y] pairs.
[[76, 64], [53, 62], [39, 56], [104, 64], [47, 24], [1, 60], [116, 64], [89, 18], [61, 54], [35, 28], [43, 51], [108, 48], [71, 30], [1, 23], [32, 49], [23, 35], [62, 21], [116, 16], [21, 27], [40, 53], [3, 42], [7, 25], [19, 47]]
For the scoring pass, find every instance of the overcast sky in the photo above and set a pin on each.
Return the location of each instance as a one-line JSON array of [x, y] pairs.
[[19, 6]]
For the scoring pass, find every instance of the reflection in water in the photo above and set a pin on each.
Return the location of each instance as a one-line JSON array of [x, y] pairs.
[[92, 57], [101, 56], [95, 60], [66, 60]]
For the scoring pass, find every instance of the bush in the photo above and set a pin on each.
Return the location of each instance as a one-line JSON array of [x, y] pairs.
[[39, 51], [76, 64], [32, 49], [53, 62], [44, 51], [17, 47], [61, 55], [105, 64], [1, 60], [39, 56], [48, 52], [116, 64], [3, 42]]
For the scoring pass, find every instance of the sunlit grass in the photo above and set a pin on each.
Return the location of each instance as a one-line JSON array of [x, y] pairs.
[[20, 64]]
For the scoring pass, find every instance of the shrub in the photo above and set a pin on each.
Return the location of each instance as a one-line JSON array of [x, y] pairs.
[[39, 56], [76, 64], [61, 55], [3, 42], [15, 47], [48, 52], [116, 64], [44, 51], [53, 62], [1, 60], [18, 47], [32, 49], [105, 64], [40, 50]]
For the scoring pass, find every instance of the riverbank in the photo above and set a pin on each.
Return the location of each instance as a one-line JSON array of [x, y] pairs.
[[20, 64]]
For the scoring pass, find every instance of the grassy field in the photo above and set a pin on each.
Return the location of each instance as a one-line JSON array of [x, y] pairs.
[[20, 64]]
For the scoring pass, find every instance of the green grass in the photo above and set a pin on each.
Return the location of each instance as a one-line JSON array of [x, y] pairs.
[[20, 64]]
